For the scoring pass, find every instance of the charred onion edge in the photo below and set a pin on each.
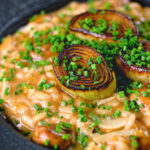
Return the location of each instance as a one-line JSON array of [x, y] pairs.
[[134, 72], [85, 32], [133, 67], [81, 47]]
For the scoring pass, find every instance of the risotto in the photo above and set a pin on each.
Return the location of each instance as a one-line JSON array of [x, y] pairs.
[[79, 78]]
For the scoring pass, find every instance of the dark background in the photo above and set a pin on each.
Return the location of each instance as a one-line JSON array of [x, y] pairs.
[[14, 8], [12, 11], [11, 8], [13, 14]]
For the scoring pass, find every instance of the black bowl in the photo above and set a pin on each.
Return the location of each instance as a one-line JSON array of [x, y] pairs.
[[10, 138]]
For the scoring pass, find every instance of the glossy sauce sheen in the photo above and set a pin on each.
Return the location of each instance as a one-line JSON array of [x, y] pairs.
[[21, 110]]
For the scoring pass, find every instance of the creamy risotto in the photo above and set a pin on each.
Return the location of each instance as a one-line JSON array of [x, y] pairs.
[[80, 82]]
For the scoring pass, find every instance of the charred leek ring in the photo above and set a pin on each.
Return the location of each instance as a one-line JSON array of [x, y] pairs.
[[107, 15], [134, 72], [85, 86]]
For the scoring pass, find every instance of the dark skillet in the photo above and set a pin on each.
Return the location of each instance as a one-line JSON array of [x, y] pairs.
[[10, 138]]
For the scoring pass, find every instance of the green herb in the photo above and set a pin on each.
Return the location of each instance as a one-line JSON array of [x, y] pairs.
[[144, 29], [42, 122], [6, 92], [33, 18], [48, 104], [1, 101], [37, 107], [134, 106], [78, 130], [19, 64], [107, 5], [26, 133], [135, 144], [46, 142], [61, 15], [127, 7], [42, 12], [64, 103], [103, 146], [65, 136], [117, 114], [83, 140], [30, 86], [144, 93], [121, 94], [142, 106], [57, 61], [18, 91], [70, 101], [56, 146], [99, 27], [49, 114], [97, 130], [16, 122], [44, 85], [82, 86], [134, 141], [127, 107], [5, 57]]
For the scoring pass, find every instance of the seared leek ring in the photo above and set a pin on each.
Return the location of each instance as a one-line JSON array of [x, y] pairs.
[[84, 86], [134, 72], [108, 17]]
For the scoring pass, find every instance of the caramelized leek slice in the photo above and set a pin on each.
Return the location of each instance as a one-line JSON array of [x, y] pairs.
[[89, 78], [109, 25], [134, 72]]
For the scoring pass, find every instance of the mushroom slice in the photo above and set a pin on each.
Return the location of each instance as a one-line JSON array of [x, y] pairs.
[[103, 138], [134, 72], [118, 123], [82, 72], [109, 25], [113, 124], [43, 133]]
